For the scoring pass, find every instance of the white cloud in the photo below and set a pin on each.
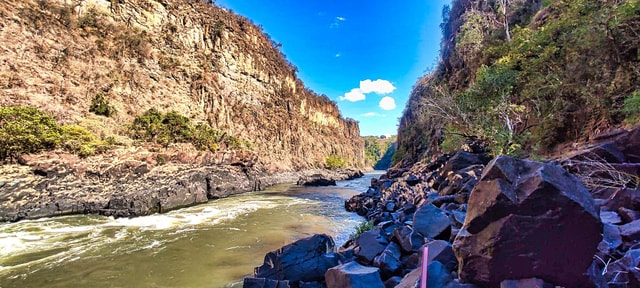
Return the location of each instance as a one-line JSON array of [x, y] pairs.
[[336, 22], [373, 114], [379, 86], [387, 103], [338, 55], [354, 95]]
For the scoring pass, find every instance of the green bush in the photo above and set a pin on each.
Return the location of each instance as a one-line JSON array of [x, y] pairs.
[[631, 108], [335, 161], [167, 128], [364, 226], [29, 130], [101, 106]]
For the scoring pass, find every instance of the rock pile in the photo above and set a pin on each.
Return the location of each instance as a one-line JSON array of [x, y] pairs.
[[497, 223]]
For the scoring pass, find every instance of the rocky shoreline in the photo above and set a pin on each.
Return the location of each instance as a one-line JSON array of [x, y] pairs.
[[503, 222], [130, 183]]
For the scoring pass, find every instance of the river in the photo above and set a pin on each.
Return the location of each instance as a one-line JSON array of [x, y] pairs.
[[210, 245]]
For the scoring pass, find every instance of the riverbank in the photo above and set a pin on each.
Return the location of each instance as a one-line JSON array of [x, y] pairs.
[[501, 222], [135, 182]]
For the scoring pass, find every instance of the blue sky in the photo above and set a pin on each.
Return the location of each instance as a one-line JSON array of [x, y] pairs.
[[350, 50]]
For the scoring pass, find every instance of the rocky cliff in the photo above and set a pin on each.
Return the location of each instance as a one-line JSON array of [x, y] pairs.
[[96, 66], [190, 57], [527, 77]]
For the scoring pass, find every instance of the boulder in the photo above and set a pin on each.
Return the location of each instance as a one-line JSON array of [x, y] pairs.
[[368, 246], [389, 261], [463, 160], [408, 239], [438, 276], [528, 220], [631, 231], [304, 260], [431, 222], [611, 240], [442, 252], [315, 180], [353, 275], [264, 283]]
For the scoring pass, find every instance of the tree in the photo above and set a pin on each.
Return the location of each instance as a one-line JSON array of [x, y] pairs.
[[503, 7]]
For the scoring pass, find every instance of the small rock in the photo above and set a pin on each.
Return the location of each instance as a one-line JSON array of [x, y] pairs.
[[630, 231], [610, 217], [412, 180], [628, 215], [353, 275]]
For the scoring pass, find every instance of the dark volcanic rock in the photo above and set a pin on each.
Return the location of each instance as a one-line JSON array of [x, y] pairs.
[[630, 231], [628, 215], [442, 252], [525, 283], [315, 180], [368, 246], [430, 221], [264, 283], [353, 275], [304, 260], [528, 220], [463, 160], [389, 261]]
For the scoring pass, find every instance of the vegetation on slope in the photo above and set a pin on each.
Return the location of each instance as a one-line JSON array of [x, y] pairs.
[[171, 127], [120, 58], [379, 151], [559, 72], [29, 130]]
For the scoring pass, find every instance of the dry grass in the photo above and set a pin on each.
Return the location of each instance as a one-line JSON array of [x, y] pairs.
[[596, 174]]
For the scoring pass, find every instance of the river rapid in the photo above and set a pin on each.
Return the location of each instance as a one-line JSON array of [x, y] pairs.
[[210, 245]]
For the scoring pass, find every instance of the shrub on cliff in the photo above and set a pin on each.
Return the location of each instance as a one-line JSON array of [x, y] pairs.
[[30, 130], [335, 162], [569, 68], [167, 128], [101, 106]]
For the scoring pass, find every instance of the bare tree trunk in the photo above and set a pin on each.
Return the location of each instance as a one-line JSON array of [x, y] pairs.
[[505, 6]]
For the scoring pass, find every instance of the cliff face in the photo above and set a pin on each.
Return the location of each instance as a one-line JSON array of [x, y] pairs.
[[187, 56], [526, 77]]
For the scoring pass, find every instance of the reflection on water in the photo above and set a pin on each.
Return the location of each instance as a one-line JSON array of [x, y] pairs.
[[211, 245]]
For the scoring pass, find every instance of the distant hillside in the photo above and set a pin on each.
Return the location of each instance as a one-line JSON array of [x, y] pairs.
[[164, 71], [526, 77], [379, 151]]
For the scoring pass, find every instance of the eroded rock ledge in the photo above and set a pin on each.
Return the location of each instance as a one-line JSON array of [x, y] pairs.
[[134, 182]]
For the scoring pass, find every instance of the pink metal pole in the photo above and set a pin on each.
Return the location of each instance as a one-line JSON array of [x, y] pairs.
[[425, 263]]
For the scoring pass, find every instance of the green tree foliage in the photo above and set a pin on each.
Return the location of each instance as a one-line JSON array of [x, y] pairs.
[[29, 130], [631, 108], [571, 68], [171, 127], [334, 161], [101, 106]]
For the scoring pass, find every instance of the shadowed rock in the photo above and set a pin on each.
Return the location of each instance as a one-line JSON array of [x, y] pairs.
[[528, 220], [353, 275], [304, 260]]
